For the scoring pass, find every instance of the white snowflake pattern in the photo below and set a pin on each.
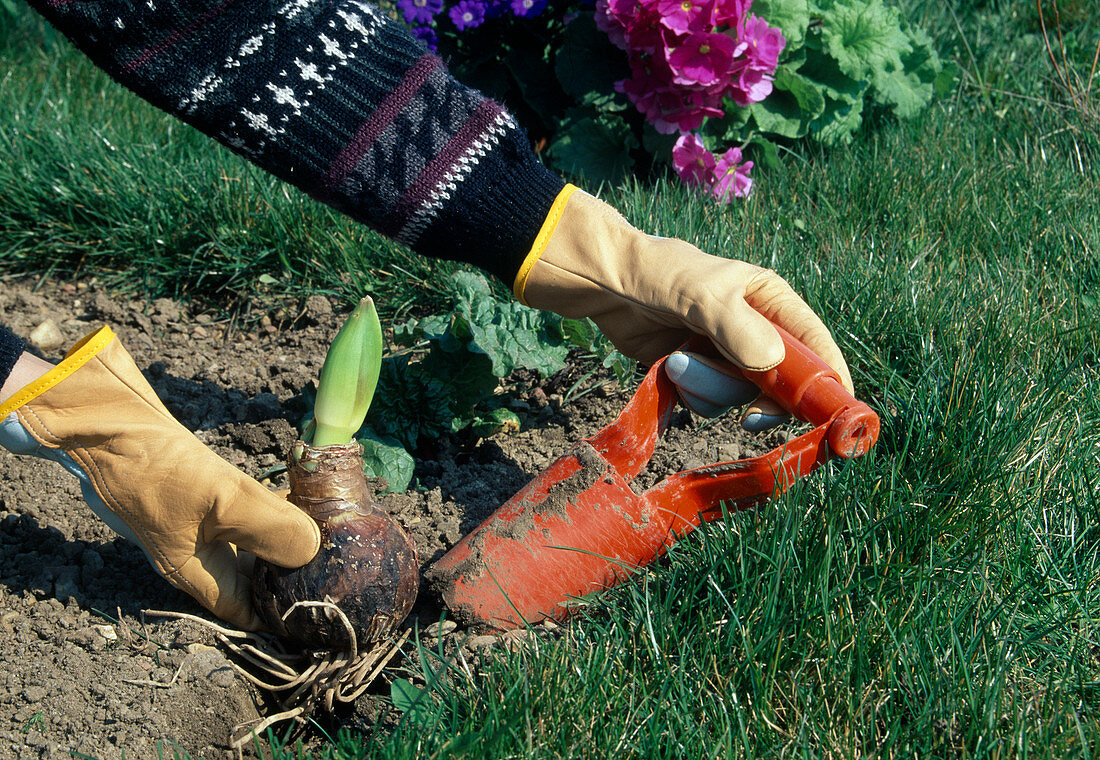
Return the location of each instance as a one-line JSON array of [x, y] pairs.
[[251, 45], [355, 23], [258, 122], [308, 71], [332, 48], [294, 7], [370, 10], [285, 96], [208, 84]]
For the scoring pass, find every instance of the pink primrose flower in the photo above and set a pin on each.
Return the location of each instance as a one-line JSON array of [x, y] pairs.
[[693, 163], [644, 33], [678, 111], [730, 12], [704, 58], [642, 88], [686, 16], [731, 177], [765, 43], [685, 57], [610, 15], [753, 85]]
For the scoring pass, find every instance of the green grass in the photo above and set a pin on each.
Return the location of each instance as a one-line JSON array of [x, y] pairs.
[[937, 598]]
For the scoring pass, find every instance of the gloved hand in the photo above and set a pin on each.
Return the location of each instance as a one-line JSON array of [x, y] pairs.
[[152, 480], [650, 294]]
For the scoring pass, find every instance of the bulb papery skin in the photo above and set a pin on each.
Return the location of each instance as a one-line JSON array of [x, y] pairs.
[[367, 566]]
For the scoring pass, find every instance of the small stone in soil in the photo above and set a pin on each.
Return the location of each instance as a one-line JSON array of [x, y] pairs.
[[440, 628], [481, 643], [34, 694]]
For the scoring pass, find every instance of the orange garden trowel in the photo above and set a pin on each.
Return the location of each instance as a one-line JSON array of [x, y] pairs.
[[578, 527]]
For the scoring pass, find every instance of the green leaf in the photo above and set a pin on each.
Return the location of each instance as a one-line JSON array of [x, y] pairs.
[[791, 16], [405, 333], [906, 93], [794, 103], [587, 66], [510, 334], [580, 332], [411, 402], [909, 89], [836, 125], [534, 77], [497, 421], [438, 389], [595, 148], [731, 129], [384, 457], [656, 144], [823, 70], [412, 701], [621, 365], [864, 37], [766, 154]]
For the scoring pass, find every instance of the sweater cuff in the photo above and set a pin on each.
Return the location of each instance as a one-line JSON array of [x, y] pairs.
[[11, 348], [497, 211]]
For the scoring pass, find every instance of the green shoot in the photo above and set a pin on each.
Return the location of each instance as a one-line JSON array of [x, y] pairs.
[[348, 377]]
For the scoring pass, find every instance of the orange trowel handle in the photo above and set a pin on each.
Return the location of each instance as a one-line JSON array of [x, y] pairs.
[[579, 526], [810, 389]]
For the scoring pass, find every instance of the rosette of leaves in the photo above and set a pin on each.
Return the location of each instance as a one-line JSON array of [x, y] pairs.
[[843, 58]]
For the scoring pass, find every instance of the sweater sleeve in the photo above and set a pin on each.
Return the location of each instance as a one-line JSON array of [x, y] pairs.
[[11, 348], [339, 100]]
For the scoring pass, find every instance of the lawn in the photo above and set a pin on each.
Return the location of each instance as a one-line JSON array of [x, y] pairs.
[[936, 598]]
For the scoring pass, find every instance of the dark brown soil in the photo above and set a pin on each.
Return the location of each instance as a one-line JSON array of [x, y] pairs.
[[82, 669]]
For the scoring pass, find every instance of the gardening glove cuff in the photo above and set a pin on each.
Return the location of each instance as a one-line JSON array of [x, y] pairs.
[[152, 480], [650, 294]]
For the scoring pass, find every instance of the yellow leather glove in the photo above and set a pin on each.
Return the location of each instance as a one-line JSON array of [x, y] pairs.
[[650, 294], [152, 480]]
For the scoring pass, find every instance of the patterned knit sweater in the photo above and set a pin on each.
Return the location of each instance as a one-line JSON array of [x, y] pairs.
[[339, 100]]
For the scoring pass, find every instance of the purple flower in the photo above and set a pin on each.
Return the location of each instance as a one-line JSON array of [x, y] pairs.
[[704, 59], [419, 11], [694, 164], [528, 8], [468, 14], [428, 36], [731, 177]]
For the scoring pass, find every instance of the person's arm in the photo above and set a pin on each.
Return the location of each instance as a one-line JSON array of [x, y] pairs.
[[339, 100]]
